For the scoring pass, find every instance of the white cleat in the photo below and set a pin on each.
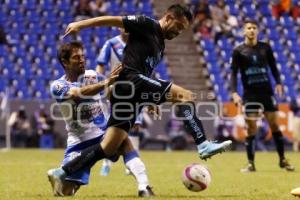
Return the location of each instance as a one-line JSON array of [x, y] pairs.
[[56, 178], [210, 148]]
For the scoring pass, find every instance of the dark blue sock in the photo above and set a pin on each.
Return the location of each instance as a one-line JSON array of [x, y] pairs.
[[87, 157], [192, 124], [134, 133], [250, 148], [279, 143], [130, 155]]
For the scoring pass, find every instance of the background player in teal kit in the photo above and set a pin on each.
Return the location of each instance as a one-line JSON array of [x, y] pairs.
[[253, 59]]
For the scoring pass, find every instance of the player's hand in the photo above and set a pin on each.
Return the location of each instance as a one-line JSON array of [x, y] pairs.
[[279, 90], [72, 28], [237, 100], [114, 74], [154, 110]]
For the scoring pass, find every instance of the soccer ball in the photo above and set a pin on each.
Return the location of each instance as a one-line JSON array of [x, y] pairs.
[[196, 177]]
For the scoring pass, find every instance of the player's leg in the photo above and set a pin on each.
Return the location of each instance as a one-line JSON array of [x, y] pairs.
[[278, 139], [276, 133], [112, 140], [68, 188], [137, 168], [63, 184], [184, 101], [296, 133], [251, 119], [134, 136]]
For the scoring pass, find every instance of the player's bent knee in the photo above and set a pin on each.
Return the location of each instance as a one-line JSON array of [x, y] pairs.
[[114, 137]]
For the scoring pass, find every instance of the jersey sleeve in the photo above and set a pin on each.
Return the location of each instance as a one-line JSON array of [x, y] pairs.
[[104, 55], [60, 90], [272, 64], [138, 24], [234, 71]]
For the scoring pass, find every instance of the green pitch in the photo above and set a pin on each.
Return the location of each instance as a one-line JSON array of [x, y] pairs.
[[23, 176]]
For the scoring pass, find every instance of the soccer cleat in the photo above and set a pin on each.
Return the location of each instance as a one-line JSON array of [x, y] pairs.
[[146, 193], [56, 178], [250, 168], [286, 165], [208, 149], [105, 170], [296, 192]]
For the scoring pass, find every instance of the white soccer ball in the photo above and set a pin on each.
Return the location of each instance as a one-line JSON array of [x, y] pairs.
[[196, 177]]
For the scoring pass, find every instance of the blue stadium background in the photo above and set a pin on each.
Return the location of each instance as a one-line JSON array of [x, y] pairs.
[[34, 29]]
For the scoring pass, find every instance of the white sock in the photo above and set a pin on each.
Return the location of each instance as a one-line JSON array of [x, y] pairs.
[[138, 169], [135, 141]]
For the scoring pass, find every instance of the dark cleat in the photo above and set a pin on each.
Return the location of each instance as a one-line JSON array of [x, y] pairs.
[[286, 165], [146, 193], [250, 168]]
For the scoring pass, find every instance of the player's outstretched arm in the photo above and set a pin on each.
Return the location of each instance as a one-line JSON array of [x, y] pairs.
[[93, 89], [75, 27]]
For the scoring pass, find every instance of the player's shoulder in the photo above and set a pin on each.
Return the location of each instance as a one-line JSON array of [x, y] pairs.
[[263, 43], [239, 46], [108, 43], [60, 81], [58, 85], [113, 39], [149, 18], [141, 18]]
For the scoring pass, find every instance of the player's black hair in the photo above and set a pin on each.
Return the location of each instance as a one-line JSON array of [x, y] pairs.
[[65, 50], [251, 21], [180, 11]]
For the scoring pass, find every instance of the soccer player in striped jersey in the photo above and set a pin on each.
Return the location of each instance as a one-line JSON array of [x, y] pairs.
[[78, 96]]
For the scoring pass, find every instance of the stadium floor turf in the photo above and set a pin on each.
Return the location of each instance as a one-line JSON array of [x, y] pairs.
[[23, 176]]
